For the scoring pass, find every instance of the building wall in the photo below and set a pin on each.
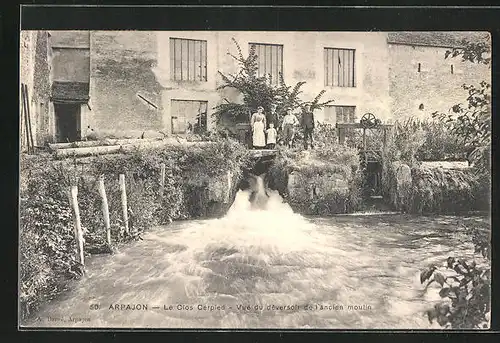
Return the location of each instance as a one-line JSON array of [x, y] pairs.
[[71, 64], [187, 90], [121, 70], [303, 60], [35, 73], [70, 56], [434, 86], [127, 67], [41, 90], [27, 54]]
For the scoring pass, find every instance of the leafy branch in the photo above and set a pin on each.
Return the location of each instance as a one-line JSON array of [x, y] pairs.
[[259, 91], [467, 291]]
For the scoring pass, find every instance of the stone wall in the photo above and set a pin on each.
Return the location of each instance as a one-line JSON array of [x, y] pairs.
[[434, 86], [125, 96], [222, 192], [434, 190], [35, 73], [41, 91]]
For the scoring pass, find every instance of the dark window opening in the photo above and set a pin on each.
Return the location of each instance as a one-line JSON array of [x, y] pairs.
[[189, 116], [419, 67], [421, 107], [451, 68], [68, 122]]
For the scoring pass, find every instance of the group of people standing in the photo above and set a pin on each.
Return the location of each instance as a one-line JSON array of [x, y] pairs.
[[266, 136]]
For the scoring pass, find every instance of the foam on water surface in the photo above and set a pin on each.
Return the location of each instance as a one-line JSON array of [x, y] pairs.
[[294, 272]]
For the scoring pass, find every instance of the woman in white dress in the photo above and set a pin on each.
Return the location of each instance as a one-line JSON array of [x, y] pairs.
[[258, 124]]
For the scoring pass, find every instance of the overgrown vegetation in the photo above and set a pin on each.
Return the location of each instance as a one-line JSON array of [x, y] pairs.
[[445, 191], [47, 243], [472, 121], [327, 180], [465, 286], [413, 140], [259, 91], [466, 290]]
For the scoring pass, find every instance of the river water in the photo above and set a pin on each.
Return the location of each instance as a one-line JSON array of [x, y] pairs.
[[266, 268]]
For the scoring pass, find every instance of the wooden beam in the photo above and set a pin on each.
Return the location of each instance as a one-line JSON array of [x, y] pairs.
[[112, 149], [103, 142], [359, 126]]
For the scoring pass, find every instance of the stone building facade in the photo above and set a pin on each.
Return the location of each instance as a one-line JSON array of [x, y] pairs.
[[35, 72], [421, 80], [140, 83]]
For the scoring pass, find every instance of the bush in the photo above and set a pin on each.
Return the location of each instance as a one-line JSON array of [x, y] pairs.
[[465, 287], [414, 140], [440, 143], [328, 159], [258, 91], [47, 247], [444, 191], [406, 139]]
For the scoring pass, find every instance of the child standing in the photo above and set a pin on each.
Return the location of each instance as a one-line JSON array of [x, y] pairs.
[[271, 136]]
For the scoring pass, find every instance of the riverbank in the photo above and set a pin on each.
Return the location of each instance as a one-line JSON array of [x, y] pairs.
[[341, 260], [197, 182]]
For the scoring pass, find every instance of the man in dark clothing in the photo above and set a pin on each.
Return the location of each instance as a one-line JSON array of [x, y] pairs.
[[272, 117], [307, 124]]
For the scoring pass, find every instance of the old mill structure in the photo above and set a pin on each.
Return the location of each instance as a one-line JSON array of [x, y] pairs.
[[126, 84]]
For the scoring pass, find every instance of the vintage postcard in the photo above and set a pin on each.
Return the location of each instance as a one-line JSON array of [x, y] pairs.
[[249, 179]]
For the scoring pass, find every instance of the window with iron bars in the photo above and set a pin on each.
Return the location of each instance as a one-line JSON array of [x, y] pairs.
[[188, 59], [340, 68], [269, 61]]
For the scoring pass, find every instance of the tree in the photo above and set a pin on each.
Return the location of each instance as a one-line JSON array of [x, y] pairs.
[[471, 122], [467, 291], [258, 91]]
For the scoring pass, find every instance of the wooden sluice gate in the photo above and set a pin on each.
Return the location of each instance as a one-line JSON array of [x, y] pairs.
[[372, 158]]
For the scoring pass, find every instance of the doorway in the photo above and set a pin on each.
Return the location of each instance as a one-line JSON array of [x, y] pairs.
[[68, 122]]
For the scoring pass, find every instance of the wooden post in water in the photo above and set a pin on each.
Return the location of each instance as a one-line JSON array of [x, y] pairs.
[[73, 199], [105, 208], [124, 202], [162, 179]]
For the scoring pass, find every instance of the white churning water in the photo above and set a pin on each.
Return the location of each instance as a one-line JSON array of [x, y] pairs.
[[266, 267]]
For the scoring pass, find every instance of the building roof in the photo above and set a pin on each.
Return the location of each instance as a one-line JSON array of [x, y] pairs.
[[70, 91], [435, 38]]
